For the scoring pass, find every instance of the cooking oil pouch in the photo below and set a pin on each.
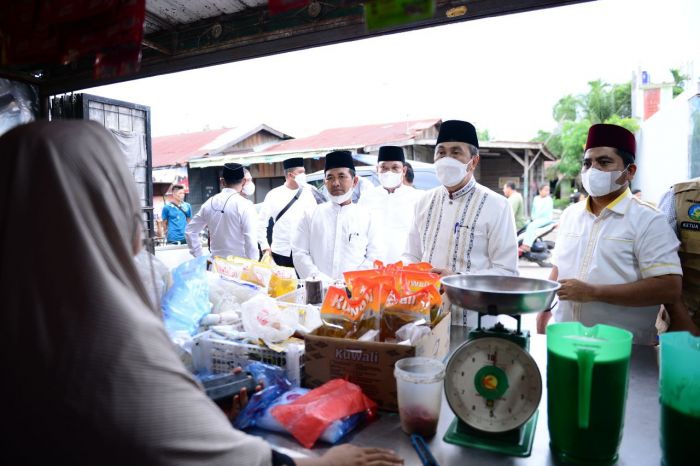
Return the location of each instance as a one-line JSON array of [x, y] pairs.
[[254, 272], [227, 269], [413, 280], [419, 266], [345, 317], [352, 276], [282, 281], [401, 310]]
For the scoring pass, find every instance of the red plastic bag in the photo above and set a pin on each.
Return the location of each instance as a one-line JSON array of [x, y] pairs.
[[308, 416]]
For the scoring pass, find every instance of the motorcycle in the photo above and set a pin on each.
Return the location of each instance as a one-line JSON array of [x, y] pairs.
[[540, 252]]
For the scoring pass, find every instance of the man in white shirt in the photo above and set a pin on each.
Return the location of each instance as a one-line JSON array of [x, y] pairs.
[[232, 220], [615, 256], [285, 206], [462, 226], [337, 236], [392, 203]]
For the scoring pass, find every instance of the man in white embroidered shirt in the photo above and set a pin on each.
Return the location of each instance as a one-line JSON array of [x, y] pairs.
[[337, 236], [231, 219], [615, 256], [462, 226], [285, 206], [392, 203]]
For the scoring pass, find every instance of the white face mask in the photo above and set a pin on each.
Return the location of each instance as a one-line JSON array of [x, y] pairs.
[[451, 171], [248, 188], [343, 197], [390, 180], [599, 183], [300, 179]]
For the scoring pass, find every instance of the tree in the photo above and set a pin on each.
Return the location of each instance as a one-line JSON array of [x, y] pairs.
[[679, 80], [603, 103], [483, 134]]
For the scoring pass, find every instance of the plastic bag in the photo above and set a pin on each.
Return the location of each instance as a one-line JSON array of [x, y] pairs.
[[187, 300], [183, 343], [154, 274], [333, 433], [226, 298], [413, 331], [274, 383], [263, 319], [309, 415]]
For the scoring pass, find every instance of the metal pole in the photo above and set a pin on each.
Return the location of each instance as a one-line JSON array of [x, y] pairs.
[[526, 183]]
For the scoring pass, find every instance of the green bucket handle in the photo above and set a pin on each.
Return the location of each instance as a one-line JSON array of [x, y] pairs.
[[586, 358]]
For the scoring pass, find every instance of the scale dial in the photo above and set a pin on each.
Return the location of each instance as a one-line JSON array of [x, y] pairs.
[[492, 384]]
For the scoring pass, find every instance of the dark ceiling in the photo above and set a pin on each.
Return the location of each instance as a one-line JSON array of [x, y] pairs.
[[185, 34]]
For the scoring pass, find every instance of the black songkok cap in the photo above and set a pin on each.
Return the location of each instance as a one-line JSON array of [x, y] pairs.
[[391, 154], [233, 173], [293, 163], [457, 131], [339, 159]]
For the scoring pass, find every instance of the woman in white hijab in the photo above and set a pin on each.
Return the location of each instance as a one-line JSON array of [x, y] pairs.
[[88, 372]]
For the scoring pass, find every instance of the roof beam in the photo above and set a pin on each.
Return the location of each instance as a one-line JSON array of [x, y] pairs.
[[253, 33]]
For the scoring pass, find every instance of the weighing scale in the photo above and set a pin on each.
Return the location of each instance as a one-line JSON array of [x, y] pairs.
[[492, 383]]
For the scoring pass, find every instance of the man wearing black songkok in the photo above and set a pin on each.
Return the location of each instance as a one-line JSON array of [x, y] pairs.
[[231, 219]]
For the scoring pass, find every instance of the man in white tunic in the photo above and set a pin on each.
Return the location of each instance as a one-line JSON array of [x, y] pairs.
[[285, 206], [337, 236], [616, 257], [232, 220], [392, 203], [462, 226]]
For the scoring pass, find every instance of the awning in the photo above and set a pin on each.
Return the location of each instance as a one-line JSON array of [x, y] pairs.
[[251, 159]]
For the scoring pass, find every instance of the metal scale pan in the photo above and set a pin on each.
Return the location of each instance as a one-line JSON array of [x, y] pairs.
[[492, 383]]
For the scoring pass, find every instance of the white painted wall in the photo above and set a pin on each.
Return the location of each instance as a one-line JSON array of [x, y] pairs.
[[662, 149]]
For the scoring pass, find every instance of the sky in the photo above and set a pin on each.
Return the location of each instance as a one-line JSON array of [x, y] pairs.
[[503, 74]]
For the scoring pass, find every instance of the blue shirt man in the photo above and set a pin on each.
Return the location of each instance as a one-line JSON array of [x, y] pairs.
[[176, 215]]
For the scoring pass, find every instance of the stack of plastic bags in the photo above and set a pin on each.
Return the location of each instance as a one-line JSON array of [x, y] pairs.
[[326, 413]]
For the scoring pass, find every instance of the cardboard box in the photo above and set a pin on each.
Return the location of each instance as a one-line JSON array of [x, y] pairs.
[[369, 364]]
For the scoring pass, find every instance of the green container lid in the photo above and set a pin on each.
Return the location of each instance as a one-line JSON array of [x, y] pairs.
[[679, 381]]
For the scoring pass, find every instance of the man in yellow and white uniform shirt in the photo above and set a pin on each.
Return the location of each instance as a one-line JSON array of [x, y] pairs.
[[392, 203], [615, 256]]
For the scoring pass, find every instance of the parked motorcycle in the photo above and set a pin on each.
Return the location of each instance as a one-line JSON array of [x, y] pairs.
[[540, 252]]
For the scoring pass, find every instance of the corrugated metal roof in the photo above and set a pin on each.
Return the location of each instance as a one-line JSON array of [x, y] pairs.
[[357, 136], [351, 138], [179, 148]]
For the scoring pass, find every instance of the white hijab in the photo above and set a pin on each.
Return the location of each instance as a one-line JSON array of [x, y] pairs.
[[89, 375]]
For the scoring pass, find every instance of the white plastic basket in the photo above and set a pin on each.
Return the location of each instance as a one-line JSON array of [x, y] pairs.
[[218, 355]]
